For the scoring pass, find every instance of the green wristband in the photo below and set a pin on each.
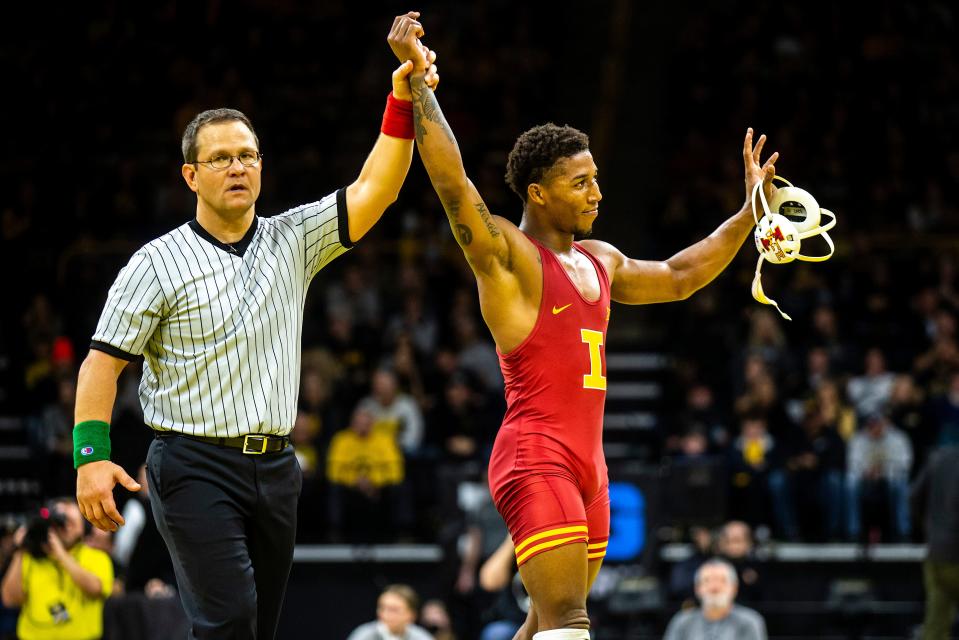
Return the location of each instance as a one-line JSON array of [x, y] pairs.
[[91, 442]]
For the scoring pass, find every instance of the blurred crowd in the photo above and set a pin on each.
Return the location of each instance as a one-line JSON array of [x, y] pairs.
[[819, 423], [822, 421]]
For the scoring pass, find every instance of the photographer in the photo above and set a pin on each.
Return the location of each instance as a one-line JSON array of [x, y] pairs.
[[58, 582]]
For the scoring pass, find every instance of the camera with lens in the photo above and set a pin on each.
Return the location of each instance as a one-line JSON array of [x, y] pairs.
[[38, 530]]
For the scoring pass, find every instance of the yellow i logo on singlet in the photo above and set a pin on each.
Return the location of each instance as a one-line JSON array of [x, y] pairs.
[[595, 378]]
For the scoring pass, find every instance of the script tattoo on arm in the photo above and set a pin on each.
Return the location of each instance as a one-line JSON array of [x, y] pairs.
[[487, 219]]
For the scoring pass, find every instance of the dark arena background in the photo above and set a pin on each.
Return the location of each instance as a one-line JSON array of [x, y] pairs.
[[718, 410]]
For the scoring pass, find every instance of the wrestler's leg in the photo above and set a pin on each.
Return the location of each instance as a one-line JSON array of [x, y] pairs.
[[530, 626], [556, 581], [593, 571], [546, 516]]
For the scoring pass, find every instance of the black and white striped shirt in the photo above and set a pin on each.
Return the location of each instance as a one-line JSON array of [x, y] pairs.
[[220, 325]]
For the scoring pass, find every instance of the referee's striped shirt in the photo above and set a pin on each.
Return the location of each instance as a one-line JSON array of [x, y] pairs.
[[220, 325]]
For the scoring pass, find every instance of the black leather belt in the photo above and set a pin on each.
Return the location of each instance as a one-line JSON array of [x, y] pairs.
[[253, 444]]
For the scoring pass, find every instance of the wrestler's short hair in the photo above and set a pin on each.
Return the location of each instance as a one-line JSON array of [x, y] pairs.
[[536, 152]]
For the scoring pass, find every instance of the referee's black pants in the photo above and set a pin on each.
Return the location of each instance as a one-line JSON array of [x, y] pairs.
[[229, 521]]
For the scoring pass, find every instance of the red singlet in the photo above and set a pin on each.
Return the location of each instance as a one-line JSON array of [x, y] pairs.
[[547, 472]]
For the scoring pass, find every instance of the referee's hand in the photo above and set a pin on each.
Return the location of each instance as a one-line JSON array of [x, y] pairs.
[[95, 482]]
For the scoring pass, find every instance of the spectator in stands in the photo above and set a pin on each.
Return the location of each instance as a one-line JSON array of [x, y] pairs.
[[478, 355], [317, 416], [767, 339], [310, 452], [836, 413], [945, 413], [353, 353], [909, 410], [61, 585], [825, 333], [321, 410], [703, 413], [934, 497], [693, 445], [51, 439], [395, 413], [818, 368], [462, 423], [758, 478], [508, 612], [735, 546], [355, 292], [934, 367], [718, 617], [441, 366], [754, 368], [945, 324], [436, 620], [53, 359], [484, 532], [682, 576], [307, 453], [365, 471], [877, 469], [396, 609], [40, 319], [476, 539], [925, 304], [761, 398], [53, 354], [417, 322], [815, 462], [405, 363], [870, 392]]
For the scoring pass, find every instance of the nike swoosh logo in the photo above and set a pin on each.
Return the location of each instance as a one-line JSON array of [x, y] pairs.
[[561, 309]]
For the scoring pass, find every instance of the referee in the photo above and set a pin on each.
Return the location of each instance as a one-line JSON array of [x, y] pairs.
[[215, 307]]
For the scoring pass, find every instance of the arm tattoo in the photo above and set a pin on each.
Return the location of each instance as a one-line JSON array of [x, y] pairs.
[[426, 108], [452, 209], [487, 219], [465, 234], [440, 156], [420, 128]]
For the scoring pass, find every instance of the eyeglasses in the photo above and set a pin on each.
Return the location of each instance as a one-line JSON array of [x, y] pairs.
[[247, 159]]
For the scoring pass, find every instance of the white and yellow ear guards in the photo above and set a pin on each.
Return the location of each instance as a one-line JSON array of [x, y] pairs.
[[792, 216]]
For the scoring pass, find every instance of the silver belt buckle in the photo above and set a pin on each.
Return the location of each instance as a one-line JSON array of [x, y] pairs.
[[258, 444]]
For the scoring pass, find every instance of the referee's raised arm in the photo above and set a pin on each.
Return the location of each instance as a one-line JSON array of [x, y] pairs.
[[96, 393]]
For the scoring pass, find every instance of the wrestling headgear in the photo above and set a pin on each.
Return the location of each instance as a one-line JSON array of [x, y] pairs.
[[792, 216]]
